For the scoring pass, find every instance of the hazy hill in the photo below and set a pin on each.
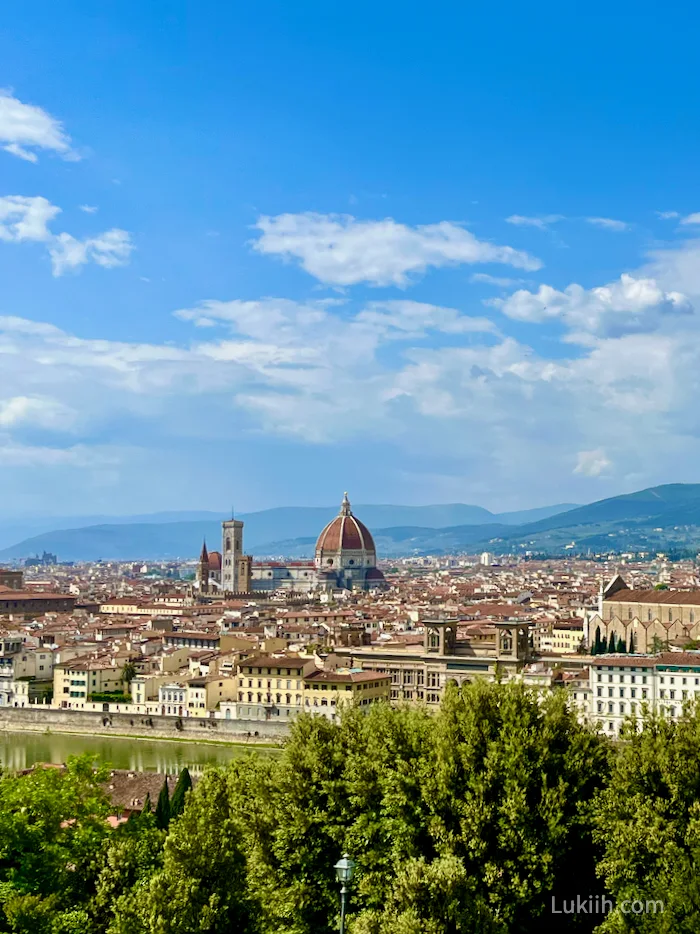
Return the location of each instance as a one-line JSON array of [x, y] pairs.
[[179, 535]]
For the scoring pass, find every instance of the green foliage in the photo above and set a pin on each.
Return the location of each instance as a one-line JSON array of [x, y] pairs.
[[162, 813], [469, 820], [52, 824], [110, 697], [128, 672], [647, 821], [177, 802]]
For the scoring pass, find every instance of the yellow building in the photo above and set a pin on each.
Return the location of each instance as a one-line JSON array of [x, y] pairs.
[[75, 681], [204, 694], [326, 692]]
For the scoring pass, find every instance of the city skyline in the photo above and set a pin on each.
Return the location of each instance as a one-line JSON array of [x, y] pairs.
[[274, 254]]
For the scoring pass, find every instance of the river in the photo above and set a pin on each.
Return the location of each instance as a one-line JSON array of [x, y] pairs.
[[22, 750]]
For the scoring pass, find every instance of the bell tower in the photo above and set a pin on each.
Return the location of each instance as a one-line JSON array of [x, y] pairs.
[[203, 570]]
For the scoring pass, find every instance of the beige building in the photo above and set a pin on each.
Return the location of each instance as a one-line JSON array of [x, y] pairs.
[[654, 618], [205, 694], [75, 681], [326, 692], [271, 687], [420, 673]]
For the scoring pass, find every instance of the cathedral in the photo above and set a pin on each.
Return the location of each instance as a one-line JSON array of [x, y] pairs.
[[345, 559]]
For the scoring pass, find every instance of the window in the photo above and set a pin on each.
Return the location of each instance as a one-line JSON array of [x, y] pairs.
[[648, 616], [633, 692]]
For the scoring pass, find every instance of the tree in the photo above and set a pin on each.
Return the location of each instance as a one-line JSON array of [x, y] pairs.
[[52, 823], [633, 644], [177, 802], [646, 819], [162, 812], [201, 888], [658, 646], [604, 645], [128, 672], [597, 644]]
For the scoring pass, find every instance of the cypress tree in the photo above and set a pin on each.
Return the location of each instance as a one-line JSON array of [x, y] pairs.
[[163, 807], [597, 643], [622, 645], [604, 645], [147, 806], [177, 802]]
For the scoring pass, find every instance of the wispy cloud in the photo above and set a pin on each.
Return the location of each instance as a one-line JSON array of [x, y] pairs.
[[25, 219], [25, 128], [691, 218], [542, 223], [341, 250], [88, 208], [608, 223], [499, 281], [667, 215]]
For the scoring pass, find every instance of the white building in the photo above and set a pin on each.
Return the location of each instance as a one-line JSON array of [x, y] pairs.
[[621, 685]]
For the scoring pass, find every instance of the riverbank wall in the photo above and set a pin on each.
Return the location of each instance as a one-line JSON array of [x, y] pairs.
[[48, 719]]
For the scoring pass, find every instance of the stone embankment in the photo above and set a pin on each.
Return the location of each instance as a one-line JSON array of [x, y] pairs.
[[41, 719]]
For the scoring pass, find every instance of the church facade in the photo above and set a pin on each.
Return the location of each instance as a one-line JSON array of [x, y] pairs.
[[345, 558]]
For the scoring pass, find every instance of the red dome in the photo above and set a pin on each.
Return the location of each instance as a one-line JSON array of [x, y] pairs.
[[214, 560], [345, 533]]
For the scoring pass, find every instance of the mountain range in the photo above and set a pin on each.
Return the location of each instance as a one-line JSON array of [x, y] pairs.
[[180, 534], [659, 518]]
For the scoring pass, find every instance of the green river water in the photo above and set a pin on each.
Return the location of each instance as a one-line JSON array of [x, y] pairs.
[[22, 750]]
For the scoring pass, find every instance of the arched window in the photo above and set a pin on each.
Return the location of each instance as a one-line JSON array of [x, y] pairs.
[[228, 544], [329, 562]]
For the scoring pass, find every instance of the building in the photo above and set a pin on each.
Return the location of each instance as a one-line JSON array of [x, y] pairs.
[[11, 580], [621, 685], [75, 681], [345, 558], [208, 575], [19, 601], [282, 687], [421, 673], [652, 618], [326, 692], [231, 554], [271, 687]]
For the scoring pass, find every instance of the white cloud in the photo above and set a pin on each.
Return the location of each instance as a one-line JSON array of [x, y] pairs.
[[109, 249], [691, 218], [667, 215], [27, 219], [499, 281], [629, 304], [592, 463], [25, 128], [608, 223], [341, 250], [36, 411], [406, 319], [89, 208], [542, 223]]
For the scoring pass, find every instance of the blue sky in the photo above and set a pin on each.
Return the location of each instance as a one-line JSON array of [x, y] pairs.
[[262, 253]]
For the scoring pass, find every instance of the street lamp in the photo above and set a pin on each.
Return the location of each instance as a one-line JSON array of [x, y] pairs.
[[344, 869]]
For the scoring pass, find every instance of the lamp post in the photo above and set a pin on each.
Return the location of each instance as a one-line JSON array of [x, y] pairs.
[[344, 869]]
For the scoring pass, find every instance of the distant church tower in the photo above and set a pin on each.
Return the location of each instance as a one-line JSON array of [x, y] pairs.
[[231, 553], [203, 570]]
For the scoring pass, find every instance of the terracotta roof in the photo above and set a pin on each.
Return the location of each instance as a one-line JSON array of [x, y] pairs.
[[345, 532], [668, 597], [272, 661]]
